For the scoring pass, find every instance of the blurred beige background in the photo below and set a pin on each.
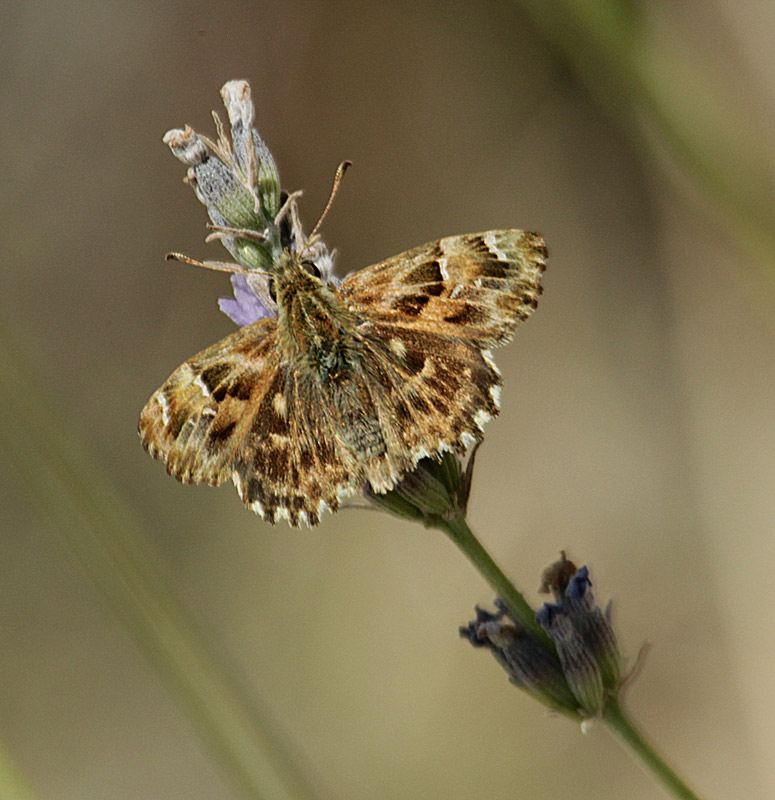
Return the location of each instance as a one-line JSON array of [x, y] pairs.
[[637, 430]]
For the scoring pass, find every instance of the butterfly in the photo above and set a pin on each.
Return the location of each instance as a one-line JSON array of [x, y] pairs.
[[351, 384]]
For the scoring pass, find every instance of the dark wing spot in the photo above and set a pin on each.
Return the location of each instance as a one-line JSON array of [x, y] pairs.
[[538, 246], [429, 276], [411, 306], [275, 463], [240, 388], [421, 404], [484, 378], [428, 272], [495, 284], [326, 452], [403, 413], [466, 315], [218, 434], [212, 376], [177, 421], [444, 384], [441, 406], [414, 361], [306, 461], [493, 268], [267, 422], [475, 244], [365, 299], [448, 375]]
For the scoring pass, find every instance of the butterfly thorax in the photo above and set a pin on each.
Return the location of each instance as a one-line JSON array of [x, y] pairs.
[[316, 331]]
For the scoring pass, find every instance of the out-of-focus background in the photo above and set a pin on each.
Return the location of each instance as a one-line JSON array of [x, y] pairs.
[[637, 429]]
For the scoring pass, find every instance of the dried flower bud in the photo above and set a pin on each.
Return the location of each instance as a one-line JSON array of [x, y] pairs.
[[250, 153], [578, 664], [594, 626], [186, 146], [572, 592], [586, 656], [528, 664], [434, 488], [216, 184]]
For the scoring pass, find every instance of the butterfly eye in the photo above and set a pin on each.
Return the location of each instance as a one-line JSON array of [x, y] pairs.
[[311, 267], [271, 290]]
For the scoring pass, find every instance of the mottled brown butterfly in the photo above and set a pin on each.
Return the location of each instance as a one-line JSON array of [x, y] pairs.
[[352, 383]]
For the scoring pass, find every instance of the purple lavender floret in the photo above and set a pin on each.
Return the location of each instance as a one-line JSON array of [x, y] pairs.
[[579, 585], [244, 307]]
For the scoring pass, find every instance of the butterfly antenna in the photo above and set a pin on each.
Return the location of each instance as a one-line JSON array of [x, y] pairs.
[[220, 266], [340, 170]]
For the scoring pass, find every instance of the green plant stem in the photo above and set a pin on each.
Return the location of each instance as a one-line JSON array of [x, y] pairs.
[[614, 716], [622, 727], [70, 489], [13, 783], [457, 529]]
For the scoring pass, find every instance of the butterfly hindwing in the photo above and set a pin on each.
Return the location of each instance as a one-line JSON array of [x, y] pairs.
[[198, 418], [431, 393], [293, 463], [234, 411]]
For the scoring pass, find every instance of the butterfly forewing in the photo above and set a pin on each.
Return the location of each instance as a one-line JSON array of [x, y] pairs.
[[478, 286]]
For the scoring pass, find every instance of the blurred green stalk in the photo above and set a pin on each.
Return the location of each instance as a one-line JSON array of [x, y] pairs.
[[13, 784], [458, 531], [638, 78], [73, 493], [617, 721]]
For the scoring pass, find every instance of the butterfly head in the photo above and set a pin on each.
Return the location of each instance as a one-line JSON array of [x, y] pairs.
[[292, 273]]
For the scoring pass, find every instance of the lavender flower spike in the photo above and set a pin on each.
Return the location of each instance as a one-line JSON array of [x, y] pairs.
[[583, 670], [237, 180]]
